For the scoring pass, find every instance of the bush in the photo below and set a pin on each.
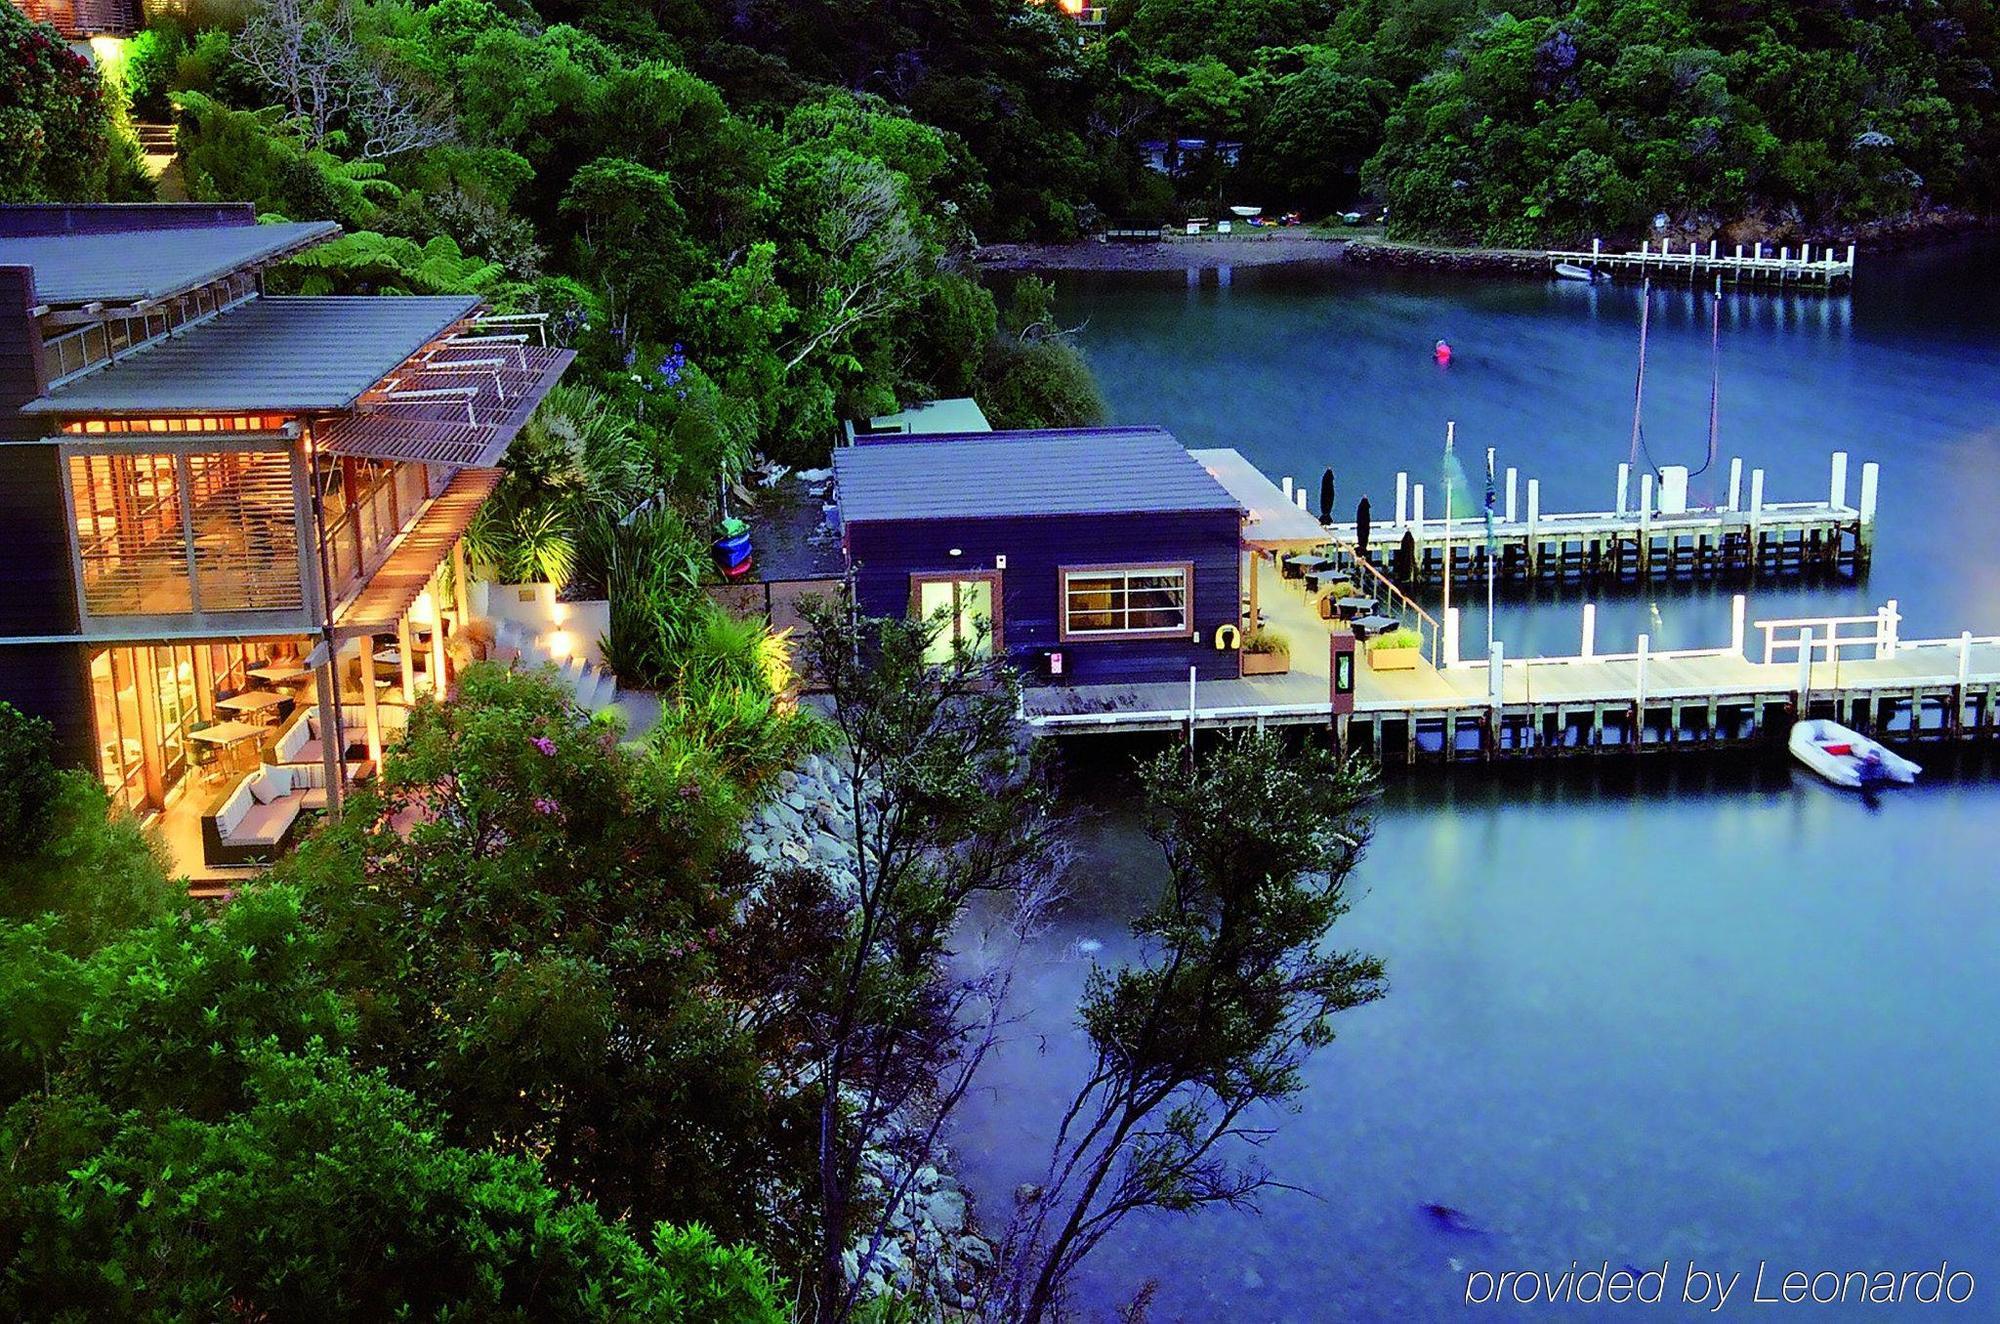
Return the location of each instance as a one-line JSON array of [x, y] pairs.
[[1045, 384], [1394, 639], [57, 137], [1268, 641]]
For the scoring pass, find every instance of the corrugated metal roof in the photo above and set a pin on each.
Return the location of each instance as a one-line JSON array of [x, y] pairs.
[[1075, 471], [132, 265], [1272, 521], [294, 354]]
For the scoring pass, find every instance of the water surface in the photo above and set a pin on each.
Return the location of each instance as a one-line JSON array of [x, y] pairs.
[[1708, 1011]]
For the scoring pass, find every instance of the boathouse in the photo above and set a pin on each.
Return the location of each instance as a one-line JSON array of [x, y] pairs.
[[1094, 555]]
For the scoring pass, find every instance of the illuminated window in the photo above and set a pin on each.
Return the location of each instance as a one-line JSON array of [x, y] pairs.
[[1126, 601]]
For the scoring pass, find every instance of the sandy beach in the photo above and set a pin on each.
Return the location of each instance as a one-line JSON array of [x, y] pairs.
[[1269, 249]]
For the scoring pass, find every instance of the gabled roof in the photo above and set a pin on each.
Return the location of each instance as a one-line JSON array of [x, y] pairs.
[[271, 354], [132, 266], [1068, 471]]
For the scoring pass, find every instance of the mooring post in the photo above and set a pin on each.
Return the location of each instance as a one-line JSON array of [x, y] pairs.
[[1646, 524], [1402, 499], [1756, 495], [1624, 483], [1448, 655], [1864, 537], [1839, 490], [1286, 484], [1738, 609], [1735, 482], [1417, 518], [1299, 495], [1806, 647], [1512, 473], [1639, 691], [1964, 677], [1534, 521], [1589, 630], [1496, 685], [1890, 630]]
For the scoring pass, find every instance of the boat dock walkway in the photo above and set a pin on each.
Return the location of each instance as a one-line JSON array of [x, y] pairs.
[[1857, 670], [1758, 266], [1658, 535]]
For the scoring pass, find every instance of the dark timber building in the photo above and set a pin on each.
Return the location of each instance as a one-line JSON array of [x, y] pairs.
[[226, 510], [1093, 555]]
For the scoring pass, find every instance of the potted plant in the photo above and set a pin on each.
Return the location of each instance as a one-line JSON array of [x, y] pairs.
[[1266, 653], [1395, 651]]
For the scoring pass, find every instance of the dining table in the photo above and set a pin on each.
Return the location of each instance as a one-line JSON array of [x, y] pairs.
[[252, 701]]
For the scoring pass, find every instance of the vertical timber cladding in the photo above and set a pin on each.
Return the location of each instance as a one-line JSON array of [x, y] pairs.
[[885, 553]]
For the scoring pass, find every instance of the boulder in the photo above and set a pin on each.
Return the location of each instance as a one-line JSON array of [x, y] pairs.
[[946, 1210]]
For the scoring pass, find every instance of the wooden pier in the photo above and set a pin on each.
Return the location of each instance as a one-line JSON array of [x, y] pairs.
[[1657, 536], [1857, 670], [1826, 271]]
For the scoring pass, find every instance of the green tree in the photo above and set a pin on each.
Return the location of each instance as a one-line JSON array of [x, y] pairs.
[[58, 140], [1237, 989]]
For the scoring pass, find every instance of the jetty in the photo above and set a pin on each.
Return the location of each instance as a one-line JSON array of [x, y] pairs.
[[1823, 268], [1640, 700], [1651, 532]]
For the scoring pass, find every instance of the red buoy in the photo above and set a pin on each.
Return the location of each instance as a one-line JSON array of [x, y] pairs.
[[1442, 353]]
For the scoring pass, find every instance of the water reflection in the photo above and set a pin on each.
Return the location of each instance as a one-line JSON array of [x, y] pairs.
[[1696, 1008]]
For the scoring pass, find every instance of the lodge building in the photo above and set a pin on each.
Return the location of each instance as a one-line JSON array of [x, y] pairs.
[[232, 517]]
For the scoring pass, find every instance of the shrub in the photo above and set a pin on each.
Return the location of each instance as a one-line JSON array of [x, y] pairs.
[[1268, 641], [1394, 639]]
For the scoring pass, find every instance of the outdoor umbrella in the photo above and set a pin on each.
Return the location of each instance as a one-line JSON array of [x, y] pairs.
[[1406, 557], [1326, 497], [1361, 527]]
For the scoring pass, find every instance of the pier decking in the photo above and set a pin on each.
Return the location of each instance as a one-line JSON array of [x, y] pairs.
[[1804, 270], [1658, 536], [1856, 669]]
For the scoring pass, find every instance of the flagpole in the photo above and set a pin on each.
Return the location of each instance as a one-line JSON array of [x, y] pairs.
[[1491, 575], [1450, 430]]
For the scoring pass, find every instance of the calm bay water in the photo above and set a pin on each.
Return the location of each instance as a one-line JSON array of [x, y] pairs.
[[1694, 1011]]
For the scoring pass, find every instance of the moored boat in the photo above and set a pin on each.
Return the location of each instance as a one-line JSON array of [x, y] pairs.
[[1570, 271], [1848, 758]]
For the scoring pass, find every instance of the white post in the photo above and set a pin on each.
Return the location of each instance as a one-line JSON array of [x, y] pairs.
[[1756, 494], [1596, 247], [1870, 472], [1402, 499], [1805, 254], [1417, 510], [1785, 255], [1191, 707], [1839, 493], [1805, 667], [1589, 630], [1645, 499], [1449, 658], [1624, 482], [1511, 474], [1639, 687], [1964, 662], [1286, 483], [1737, 605], [1300, 494], [1496, 674], [1892, 629], [1735, 481], [1534, 512], [1850, 259], [1714, 247]]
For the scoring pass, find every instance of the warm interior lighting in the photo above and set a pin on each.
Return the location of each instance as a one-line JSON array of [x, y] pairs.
[[423, 611], [560, 643], [93, 427]]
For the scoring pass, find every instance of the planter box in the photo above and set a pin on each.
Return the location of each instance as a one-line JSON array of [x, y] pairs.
[[1393, 659], [1266, 664]]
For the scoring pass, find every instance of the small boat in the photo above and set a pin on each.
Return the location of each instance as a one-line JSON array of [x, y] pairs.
[[1848, 758], [1571, 271], [1247, 212]]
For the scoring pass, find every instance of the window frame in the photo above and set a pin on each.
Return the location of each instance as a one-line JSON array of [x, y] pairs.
[[997, 638], [1184, 631]]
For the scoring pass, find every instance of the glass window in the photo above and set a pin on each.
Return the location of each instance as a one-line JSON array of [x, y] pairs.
[[128, 534], [1129, 600], [967, 608]]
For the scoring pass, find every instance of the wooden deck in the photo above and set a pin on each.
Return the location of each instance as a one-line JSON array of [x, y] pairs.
[[1637, 702], [1823, 268], [1643, 537]]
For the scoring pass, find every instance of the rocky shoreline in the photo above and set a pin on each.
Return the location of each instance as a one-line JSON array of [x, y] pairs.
[[1454, 261], [933, 1252]]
